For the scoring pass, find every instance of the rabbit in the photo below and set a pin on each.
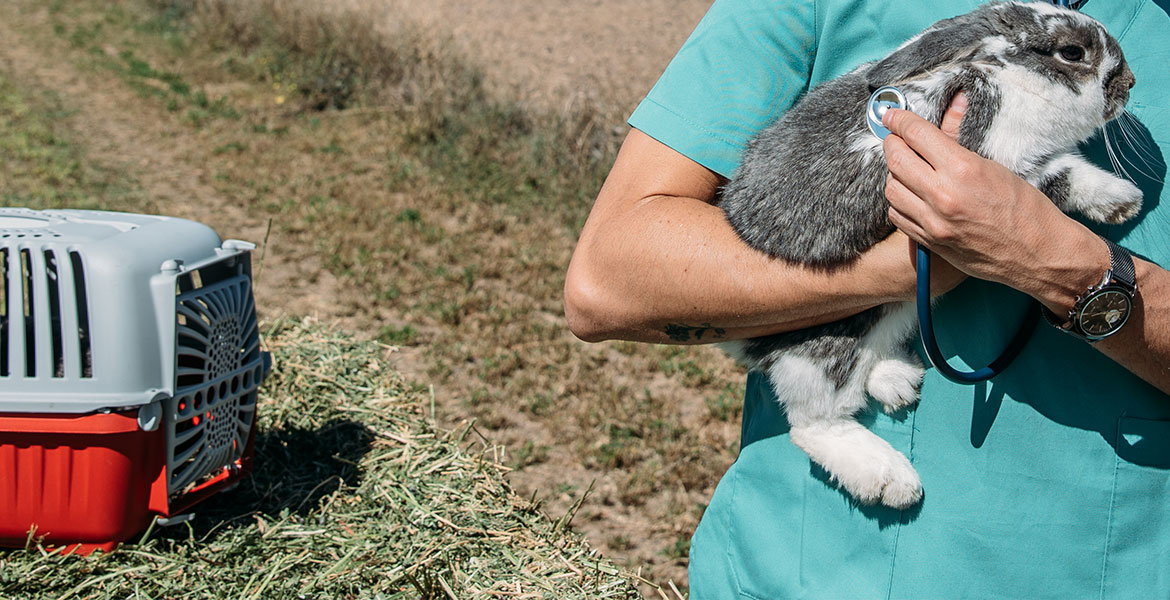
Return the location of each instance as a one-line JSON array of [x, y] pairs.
[[810, 190]]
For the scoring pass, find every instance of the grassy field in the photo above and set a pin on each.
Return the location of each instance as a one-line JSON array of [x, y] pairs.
[[356, 494], [444, 215]]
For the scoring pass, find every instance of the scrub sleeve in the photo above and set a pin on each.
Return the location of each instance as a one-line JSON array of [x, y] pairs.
[[1051, 481]]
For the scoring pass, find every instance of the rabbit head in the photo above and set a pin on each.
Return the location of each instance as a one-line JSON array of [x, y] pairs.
[[1029, 67]]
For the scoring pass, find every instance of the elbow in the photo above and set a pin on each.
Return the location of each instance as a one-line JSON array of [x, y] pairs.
[[591, 311], [583, 312]]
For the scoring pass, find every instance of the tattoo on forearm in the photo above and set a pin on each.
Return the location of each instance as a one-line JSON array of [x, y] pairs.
[[680, 332]]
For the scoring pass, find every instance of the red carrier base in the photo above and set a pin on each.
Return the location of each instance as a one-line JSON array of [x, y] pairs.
[[86, 482]]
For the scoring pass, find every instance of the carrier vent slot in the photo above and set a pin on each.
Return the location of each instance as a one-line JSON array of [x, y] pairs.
[[83, 331], [28, 308], [4, 312], [53, 285]]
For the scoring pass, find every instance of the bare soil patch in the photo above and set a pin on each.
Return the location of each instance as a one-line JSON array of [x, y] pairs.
[[553, 50]]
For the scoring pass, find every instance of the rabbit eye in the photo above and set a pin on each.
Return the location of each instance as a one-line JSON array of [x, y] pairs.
[[1071, 53]]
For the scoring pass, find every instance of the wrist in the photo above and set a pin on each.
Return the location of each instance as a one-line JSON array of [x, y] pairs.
[[1071, 268], [1103, 308], [886, 273]]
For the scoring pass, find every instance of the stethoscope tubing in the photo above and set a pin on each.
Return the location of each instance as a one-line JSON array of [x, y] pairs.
[[930, 344]]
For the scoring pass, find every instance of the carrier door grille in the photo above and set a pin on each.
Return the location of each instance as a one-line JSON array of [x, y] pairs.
[[218, 371], [85, 351], [28, 311]]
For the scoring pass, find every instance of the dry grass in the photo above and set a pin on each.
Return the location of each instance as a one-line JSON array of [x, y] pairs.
[[341, 54], [449, 215]]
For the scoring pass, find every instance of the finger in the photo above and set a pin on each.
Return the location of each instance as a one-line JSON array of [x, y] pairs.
[[926, 139], [907, 226], [953, 117], [907, 211], [903, 200], [908, 167]]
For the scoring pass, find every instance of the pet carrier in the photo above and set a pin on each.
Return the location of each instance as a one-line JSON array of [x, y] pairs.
[[129, 366]]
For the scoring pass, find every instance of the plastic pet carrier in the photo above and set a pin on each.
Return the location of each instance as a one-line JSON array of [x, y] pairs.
[[129, 366]]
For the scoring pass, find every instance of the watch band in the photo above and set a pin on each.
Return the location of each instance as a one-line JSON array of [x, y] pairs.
[[1121, 276], [1121, 265]]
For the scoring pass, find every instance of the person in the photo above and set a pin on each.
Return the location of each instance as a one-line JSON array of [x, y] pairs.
[[1051, 480]]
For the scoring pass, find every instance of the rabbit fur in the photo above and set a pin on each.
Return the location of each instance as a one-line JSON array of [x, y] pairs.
[[810, 190]]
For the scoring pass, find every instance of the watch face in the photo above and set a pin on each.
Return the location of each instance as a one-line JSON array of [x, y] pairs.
[[1105, 313]]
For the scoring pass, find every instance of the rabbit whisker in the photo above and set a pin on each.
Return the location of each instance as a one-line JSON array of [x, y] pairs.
[[1142, 158]]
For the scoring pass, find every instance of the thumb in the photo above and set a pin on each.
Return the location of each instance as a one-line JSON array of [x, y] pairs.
[[954, 115]]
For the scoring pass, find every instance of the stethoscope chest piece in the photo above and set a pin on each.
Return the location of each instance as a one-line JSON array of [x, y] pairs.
[[882, 100]]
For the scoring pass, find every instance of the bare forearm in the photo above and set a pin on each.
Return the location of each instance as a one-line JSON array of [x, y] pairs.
[[1074, 260], [695, 281], [658, 262]]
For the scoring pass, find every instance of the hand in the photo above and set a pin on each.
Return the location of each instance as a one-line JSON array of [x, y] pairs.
[[972, 212], [943, 275]]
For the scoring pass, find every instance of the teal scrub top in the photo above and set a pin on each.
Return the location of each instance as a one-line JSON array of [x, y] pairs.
[[1050, 481]]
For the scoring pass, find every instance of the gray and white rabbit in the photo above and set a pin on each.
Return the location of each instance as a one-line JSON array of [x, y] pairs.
[[810, 190]]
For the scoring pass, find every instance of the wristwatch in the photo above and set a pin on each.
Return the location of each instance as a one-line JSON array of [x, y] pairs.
[[1105, 307]]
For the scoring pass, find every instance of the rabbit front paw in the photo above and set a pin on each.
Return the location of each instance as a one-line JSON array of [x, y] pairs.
[[1115, 201]]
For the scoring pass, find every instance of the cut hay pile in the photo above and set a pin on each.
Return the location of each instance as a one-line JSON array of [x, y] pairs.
[[355, 494]]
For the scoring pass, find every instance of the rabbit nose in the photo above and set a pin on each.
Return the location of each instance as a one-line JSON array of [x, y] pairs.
[[1117, 86], [1120, 80]]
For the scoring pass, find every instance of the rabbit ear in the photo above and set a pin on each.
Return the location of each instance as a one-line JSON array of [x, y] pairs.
[[944, 42]]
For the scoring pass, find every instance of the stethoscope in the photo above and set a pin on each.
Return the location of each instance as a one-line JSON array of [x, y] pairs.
[[882, 100]]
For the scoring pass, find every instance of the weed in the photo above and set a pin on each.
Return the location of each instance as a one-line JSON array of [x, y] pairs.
[[232, 146], [539, 404], [390, 292], [679, 363], [528, 454], [82, 35], [409, 215], [620, 543], [621, 449], [679, 549], [727, 404], [397, 336]]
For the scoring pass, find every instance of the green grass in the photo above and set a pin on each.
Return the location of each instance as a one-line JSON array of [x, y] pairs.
[[43, 166]]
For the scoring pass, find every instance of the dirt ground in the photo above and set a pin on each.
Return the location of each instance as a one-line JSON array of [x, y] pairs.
[[548, 50]]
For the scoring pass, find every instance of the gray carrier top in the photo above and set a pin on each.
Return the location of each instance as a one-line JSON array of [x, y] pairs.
[[107, 311]]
